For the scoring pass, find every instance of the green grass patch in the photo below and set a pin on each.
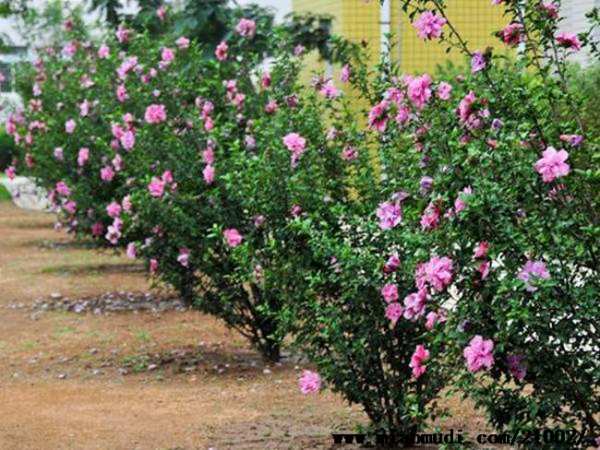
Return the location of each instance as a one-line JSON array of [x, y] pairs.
[[4, 194]]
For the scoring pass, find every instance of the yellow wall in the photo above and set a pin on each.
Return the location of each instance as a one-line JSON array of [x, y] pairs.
[[475, 20], [359, 20]]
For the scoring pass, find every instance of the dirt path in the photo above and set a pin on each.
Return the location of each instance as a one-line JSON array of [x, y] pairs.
[[171, 380]]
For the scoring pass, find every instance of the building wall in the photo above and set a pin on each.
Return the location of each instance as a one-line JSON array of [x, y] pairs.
[[359, 20], [575, 21], [475, 20]]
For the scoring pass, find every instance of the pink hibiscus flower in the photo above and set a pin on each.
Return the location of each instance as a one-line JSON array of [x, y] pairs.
[[309, 382], [478, 354], [552, 165]]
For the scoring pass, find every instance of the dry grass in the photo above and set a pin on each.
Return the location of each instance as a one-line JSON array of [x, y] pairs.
[[189, 384]]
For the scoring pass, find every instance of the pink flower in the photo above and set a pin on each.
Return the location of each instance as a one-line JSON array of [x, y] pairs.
[[167, 177], [126, 203], [464, 107], [516, 367], [97, 229], [432, 318], [481, 250], [266, 80], [478, 354], [63, 189], [512, 34], [70, 207], [70, 126], [349, 153], [117, 162], [161, 13], [113, 210], [167, 55], [153, 266], [328, 90], [83, 156], [390, 292], [184, 257], [127, 140], [430, 218], [460, 203], [531, 271], [156, 187], [221, 51], [345, 74], [309, 382], [103, 51], [419, 90], [131, 251], [122, 34], [107, 173], [296, 211], [246, 28], [478, 62], [572, 139], [84, 108], [392, 264], [208, 155], [295, 144], [414, 305], [155, 114], [378, 116], [417, 359], [429, 25], [552, 165], [233, 237], [271, 107], [393, 312], [568, 40], [551, 10], [484, 269], [444, 90], [122, 93], [69, 49], [437, 273], [113, 234], [389, 214], [209, 174], [182, 43], [11, 172]]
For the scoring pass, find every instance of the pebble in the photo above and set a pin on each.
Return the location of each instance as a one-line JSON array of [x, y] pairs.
[[120, 301]]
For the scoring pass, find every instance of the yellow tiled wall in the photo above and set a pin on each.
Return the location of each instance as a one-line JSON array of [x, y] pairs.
[[475, 20], [359, 20]]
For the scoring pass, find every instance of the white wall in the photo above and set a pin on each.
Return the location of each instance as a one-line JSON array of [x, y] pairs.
[[573, 12]]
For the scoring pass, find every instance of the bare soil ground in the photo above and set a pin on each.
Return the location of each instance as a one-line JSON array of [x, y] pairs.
[[138, 380]]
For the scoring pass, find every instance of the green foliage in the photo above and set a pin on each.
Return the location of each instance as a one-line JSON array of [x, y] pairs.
[[7, 150]]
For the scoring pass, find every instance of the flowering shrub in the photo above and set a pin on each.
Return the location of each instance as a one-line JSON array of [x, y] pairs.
[[449, 233], [254, 163], [479, 251], [193, 164]]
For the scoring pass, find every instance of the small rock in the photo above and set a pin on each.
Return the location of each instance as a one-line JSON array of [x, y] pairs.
[[123, 371], [56, 296], [62, 376], [153, 367], [267, 371]]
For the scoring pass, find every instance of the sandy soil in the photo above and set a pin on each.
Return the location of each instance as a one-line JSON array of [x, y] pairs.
[[174, 380]]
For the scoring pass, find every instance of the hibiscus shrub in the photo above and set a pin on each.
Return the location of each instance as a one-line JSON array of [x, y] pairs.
[[158, 149], [212, 215], [484, 260]]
